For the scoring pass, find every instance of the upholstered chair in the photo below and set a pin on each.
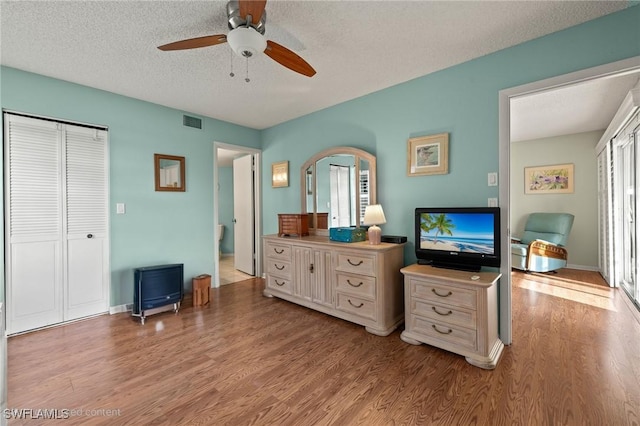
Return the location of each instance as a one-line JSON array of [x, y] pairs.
[[541, 247]]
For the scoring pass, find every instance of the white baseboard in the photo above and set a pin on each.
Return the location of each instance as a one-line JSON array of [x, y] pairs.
[[120, 309], [583, 267]]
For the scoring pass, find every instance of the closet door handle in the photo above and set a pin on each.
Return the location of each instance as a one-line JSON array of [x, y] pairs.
[[89, 235]]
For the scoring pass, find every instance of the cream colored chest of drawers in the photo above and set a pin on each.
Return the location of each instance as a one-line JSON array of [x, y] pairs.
[[357, 282], [448, 309]]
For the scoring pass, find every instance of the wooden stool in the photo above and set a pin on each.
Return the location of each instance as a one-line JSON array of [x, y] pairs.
[[201, 289]]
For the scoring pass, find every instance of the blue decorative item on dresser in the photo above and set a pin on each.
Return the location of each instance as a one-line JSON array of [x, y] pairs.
[[347, 235], [157, 286]]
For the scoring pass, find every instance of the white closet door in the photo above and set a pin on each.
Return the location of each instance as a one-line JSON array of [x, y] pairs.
[[57, 246], [87, 260], [33, 214]]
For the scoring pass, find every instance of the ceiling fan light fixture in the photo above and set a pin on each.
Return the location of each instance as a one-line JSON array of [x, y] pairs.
[[246, 41]]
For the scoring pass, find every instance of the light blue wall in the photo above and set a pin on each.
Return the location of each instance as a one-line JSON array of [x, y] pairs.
[[158, 227], [461, 100], [225, 209]]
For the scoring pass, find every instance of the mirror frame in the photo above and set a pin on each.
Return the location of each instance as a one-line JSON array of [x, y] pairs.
[[156, 160], [311, 163]]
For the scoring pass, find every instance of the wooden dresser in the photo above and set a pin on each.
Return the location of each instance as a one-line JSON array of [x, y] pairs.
[[357, 282], [450, 310]]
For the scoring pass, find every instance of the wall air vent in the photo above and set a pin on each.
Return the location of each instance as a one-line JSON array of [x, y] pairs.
[[194, 122]]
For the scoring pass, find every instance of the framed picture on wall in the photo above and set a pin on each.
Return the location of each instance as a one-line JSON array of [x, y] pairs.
[[554, 179], [428, 155], [280, 174]]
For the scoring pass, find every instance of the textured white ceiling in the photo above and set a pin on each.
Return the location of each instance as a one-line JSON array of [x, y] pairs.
[[356, 47], [577, 108]]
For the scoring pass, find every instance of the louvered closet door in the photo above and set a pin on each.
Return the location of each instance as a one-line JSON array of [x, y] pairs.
[[86, 292], [33, 180], [57, 241]]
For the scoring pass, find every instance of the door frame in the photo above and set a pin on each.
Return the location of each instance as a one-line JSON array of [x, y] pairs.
[[504, 154], [257, 207]]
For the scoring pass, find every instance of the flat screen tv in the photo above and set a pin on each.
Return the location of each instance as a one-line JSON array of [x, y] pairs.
[[465, 238]]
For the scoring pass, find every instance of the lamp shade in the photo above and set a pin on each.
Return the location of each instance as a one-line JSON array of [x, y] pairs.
[[373, 215], [246, 42]]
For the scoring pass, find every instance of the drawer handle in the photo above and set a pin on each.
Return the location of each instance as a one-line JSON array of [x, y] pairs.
[[354, 264], [441, 332], [280, 284], [355, 306], [354, 285], [441, 295], [278, 252], [279, 268], [440, 313]]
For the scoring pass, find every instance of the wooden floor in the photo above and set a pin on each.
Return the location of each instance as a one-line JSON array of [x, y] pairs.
[[247, 359]]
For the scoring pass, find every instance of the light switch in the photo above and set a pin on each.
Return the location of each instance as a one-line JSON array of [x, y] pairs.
[[492, 179], [120, 208]]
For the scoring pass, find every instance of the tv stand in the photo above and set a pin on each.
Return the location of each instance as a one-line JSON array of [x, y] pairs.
[[452, 311]]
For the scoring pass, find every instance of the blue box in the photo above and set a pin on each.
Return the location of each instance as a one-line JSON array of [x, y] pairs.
[[347, 235]]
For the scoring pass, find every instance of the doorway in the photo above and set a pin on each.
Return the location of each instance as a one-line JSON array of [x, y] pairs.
[[236, 180], [505, 98]]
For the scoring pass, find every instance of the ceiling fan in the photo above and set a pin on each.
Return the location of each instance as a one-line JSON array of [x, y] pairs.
[[247, 24]]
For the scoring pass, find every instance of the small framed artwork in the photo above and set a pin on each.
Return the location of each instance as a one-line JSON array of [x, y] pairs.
[[554, 179], [280, 174], [169, 172], [428, 155]]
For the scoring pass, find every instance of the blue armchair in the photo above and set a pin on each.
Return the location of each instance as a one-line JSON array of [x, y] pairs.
[[541, 247]]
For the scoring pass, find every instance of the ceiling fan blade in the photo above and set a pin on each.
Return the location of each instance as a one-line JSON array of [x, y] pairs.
[[253, 8], [194, 43], [287, 58]]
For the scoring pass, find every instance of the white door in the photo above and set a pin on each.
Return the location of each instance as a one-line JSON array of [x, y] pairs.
[[52, 188], [87, 259], [340, 196], [243, 218]]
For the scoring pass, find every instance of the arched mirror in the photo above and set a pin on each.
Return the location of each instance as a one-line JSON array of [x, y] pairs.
[[337, 185]]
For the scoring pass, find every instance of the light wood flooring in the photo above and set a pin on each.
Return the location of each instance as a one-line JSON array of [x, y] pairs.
[[246, 359], [228, 273]]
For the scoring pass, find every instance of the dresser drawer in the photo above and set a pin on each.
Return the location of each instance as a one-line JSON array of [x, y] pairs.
[[357, 264], [279, 268], [280, 284], [360, 285], [362, 307], [454, 335], [442, 293], [444, 313], [278, 251]]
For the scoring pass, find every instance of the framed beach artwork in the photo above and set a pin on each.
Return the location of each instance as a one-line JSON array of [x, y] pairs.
[[554, 179], [428, 155]]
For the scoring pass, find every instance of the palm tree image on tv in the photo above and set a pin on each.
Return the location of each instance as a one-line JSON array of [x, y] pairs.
[[440, 223], [457, 232]]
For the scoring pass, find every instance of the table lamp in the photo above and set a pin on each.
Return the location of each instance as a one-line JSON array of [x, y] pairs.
[[373, 215]]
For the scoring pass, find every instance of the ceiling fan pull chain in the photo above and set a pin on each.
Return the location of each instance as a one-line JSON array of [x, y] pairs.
[[231, 74], [247, 78]]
